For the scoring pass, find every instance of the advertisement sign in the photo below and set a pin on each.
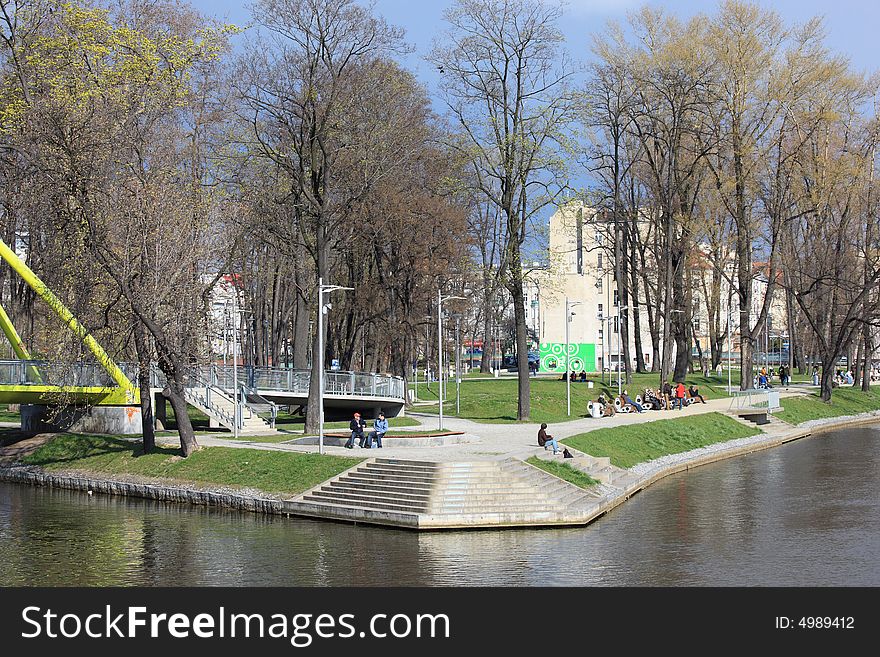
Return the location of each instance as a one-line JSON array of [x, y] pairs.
[[582, 357]]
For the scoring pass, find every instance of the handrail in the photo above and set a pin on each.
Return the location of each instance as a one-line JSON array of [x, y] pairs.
[[217, 378]]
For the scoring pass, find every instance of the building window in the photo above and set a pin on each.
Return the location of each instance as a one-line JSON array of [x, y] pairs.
[[616, 299], [616, 324], [599, 285], [696, 325], [598, 238], [601, 335], [599, 263], [601, 307]]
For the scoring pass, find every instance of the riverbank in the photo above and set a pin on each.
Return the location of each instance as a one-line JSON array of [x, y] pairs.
[[360, 503]]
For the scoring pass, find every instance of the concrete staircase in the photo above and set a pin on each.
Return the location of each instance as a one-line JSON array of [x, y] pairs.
[[427, 494]]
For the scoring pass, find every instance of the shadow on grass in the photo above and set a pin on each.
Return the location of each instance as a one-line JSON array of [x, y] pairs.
[[75, 448]]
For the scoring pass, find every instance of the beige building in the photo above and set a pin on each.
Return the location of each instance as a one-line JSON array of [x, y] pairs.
[[581, 270]]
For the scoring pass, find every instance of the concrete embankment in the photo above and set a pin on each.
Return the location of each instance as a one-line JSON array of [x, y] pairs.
[[422, 494]]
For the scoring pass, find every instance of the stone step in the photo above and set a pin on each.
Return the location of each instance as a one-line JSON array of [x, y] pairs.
[[367, 504], [372, 485], [403, 479], [361, 473], [500, 492], [395, 498], [354, 512], [434, 470]]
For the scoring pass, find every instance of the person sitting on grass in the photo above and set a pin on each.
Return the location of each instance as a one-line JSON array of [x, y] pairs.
[[545, 440], [694, 393], [583, 376]]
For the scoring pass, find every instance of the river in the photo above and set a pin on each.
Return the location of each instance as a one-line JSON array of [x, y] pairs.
[[803, 514]]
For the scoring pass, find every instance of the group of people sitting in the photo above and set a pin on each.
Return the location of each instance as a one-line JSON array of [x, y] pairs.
[[666, 397], [357, 426], [574, 377]]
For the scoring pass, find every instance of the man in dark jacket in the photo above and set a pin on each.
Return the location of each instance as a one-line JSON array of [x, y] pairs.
[[357, 430]]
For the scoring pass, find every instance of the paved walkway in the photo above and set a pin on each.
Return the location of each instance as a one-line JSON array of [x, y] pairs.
[[488, 441]]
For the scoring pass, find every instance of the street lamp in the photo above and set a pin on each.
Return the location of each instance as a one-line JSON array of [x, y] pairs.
[[729, 371], [234, 326], [568, 315], [440, 300], [321, 310]]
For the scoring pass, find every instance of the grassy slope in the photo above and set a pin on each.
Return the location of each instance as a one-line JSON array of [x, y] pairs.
[[638, 443], [563, 471], [495, 401], [844, 401], [274, 472]]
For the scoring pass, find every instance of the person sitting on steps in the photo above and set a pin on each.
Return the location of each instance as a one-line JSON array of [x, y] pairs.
[[545, 440]]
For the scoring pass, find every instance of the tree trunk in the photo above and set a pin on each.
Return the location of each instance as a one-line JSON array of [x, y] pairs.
[[313, 410], [174, 392], [143, 356], [515, 287], [488, 342], [868, 363], [637, 320], [826, 379]]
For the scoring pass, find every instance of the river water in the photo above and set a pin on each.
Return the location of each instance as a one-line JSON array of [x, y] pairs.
[[806, 513]]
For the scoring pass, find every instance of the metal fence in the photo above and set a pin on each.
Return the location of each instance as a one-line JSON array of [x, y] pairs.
[[356, 384]]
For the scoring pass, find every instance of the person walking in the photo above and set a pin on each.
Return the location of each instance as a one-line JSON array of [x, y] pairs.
[[357, 431], [380, 428], [545, 440]]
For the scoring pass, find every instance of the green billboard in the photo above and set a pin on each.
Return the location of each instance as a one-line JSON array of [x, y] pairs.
[[582, 357]]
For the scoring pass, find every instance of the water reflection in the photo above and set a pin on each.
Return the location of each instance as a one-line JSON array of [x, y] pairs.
[[802, 514]]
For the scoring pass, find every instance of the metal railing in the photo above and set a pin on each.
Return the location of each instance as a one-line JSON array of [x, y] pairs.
[[754, 398], [211, 378]]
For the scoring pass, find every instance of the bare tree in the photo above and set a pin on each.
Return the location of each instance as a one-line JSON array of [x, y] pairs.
[[505, 85]]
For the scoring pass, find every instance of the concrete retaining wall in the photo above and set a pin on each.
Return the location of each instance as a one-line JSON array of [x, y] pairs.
[[23, 475], [91, 419]]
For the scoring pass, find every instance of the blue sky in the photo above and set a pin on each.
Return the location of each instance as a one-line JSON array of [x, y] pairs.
[[852, 24]]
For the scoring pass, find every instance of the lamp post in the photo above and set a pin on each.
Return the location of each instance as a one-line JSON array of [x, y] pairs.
[[321, 310], [568, 315], [236, 409], [729, 371], [440, 300], [457, 364]]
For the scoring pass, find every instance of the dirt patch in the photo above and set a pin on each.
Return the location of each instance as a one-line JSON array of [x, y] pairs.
[[16, 446]]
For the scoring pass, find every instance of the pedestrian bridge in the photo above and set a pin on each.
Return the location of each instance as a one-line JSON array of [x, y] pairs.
[[211, 389]]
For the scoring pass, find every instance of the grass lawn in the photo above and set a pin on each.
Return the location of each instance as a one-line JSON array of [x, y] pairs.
[[273, 472], [495, 401], [638, 443], [10, 416], [844, 401], [563, 471]]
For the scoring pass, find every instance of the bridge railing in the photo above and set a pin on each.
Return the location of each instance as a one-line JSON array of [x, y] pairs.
[[358, 384]]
